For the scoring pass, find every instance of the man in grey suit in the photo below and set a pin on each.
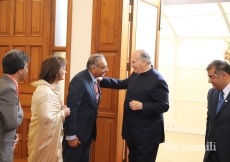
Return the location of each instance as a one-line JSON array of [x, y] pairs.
[[14, 65], [83, 100]]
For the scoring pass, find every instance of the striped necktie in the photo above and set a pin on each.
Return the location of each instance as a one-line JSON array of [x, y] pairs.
[[96, 90], [221, 101]]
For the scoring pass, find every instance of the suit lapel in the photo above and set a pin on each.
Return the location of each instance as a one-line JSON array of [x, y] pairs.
[[12, 83], [92, 88], [91, 84], [213, 103]]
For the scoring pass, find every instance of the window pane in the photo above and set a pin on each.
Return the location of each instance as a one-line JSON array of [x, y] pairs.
[[61, 23], [146, 29]]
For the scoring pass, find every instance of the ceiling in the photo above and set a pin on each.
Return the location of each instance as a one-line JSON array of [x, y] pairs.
[[193, 20], [180, 2]]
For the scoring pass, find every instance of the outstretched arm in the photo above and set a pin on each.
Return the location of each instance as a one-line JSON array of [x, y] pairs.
[[114, 83]]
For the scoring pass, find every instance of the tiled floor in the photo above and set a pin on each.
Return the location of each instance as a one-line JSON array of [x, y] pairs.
[[181, 147]]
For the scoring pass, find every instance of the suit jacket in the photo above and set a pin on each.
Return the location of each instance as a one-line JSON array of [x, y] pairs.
[[81, 100], [10, 117], [218, 126], [143, 127]]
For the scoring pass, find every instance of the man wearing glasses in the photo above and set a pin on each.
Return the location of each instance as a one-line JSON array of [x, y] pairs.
[[217, 138], [83, 100]]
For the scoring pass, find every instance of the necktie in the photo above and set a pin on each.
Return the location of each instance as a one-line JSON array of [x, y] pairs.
[[96, 90], [221, 101]]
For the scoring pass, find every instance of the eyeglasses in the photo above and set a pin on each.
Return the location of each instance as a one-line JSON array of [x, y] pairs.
[[212, 77], [103, 68]]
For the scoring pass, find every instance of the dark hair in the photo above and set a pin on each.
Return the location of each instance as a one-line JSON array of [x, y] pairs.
[[219, 66], [145, 56], [50, 68], [93, 60], [13, 61]]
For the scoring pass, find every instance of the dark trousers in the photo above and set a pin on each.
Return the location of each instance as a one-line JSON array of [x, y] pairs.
[[142, 153], [213, 155], [76, 154]]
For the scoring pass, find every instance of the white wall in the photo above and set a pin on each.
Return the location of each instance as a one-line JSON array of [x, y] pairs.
[[81, 35]]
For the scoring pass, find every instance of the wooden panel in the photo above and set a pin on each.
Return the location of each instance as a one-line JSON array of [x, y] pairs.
[[22, 40], [37, 21], [5, 17], [27, 137], [26, 88], [19, 130], [25, 99], [27, 115], [107, 25], [20, 159], [106, 101], [20, 17], [18, 149], [36, 60], [21, 48], [106, 115], [105, 144]]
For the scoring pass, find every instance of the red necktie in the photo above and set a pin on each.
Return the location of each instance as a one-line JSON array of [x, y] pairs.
[[96, 90]]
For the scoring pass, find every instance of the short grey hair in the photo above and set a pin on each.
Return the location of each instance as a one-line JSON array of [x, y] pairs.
[[219, 66], [93, 60], [145, 56]]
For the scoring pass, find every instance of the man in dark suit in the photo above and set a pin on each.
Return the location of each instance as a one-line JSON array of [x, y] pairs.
[[146, 101], [14, 65], [83, 100], [217, 138]]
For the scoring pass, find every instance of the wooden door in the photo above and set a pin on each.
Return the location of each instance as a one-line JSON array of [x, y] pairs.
[[106, 39], [25, 25]]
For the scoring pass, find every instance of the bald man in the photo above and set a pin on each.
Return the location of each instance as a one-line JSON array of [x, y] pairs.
[[146, 101]]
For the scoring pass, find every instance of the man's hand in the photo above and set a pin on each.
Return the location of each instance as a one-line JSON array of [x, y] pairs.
[[135, 105], [99, 79], [16, 139], [66, 110], [74, 142]]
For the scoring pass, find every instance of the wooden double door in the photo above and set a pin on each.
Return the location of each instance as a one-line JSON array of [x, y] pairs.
[[25, 25]]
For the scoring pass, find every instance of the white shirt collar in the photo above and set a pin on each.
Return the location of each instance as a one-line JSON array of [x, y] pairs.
[[93, 78], [226, 90]]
